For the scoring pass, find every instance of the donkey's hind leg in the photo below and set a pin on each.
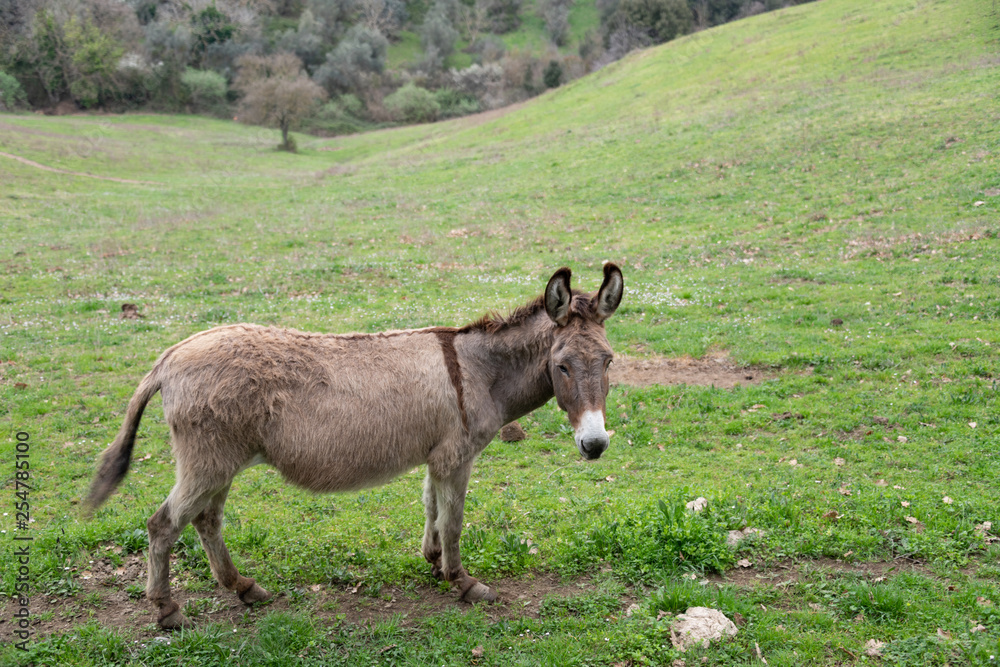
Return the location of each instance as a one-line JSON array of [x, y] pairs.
[[209, 527], [166, 524]]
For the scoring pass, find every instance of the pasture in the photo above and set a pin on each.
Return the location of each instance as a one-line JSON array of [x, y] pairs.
[[808, 198]]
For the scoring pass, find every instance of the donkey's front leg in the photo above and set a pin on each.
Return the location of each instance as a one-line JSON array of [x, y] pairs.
[[431, 546], [450, 501]]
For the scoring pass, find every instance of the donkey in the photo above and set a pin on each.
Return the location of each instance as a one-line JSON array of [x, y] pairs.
[[345, 412]]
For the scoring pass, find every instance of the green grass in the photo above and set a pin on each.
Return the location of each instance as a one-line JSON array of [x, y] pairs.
[[837, 160], [404, 50]]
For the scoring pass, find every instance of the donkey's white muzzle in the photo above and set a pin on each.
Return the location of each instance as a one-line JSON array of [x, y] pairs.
[[591, 438]]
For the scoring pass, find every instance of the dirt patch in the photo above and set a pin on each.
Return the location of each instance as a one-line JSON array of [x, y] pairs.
[[36, 165], [796, 571], [103, 599], [715, 371]]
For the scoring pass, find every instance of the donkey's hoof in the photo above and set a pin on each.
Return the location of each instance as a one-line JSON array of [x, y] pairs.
[[437, 572], [479, 592], [254, 594], [174, 619]]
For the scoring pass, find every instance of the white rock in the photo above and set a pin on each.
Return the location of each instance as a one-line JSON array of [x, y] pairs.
[[734, 537], [873, 648], [698, 504], [699, 626]]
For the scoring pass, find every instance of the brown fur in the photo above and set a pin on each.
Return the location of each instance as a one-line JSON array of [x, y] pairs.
[[344, 412]]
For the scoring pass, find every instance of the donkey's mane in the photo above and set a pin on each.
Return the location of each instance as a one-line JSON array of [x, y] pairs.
[[495, 322]]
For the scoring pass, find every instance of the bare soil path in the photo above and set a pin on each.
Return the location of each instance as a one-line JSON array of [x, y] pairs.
[[32, 163]]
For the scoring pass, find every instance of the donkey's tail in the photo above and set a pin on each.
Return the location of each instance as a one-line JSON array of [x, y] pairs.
[[116, 458]]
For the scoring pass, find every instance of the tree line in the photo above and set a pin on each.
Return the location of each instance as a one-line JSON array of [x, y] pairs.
[[319, 64]]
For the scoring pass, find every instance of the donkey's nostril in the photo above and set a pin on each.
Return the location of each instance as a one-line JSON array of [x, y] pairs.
[[592, 448]]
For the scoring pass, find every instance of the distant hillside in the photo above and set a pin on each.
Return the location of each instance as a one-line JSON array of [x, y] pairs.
[[372, 62]]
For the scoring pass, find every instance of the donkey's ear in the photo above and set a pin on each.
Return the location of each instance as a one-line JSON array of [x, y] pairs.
[[558, 297], [610, 294]]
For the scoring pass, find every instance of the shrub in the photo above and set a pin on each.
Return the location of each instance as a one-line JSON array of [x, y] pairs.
[[454, 104], [413, 104], [482, 82], [206, 89], [341, 116], [552, 76], [11, 94]]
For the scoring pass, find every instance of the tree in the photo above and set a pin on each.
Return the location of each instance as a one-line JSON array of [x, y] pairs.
[[502, 15], [437, 36], [210, 27], [383, 16], [276, 93], [361, 52], [95, 59], [555, 13], [11, 94], [663, 20]]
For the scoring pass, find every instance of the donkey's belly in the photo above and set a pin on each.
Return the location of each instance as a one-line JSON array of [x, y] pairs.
[[344, 445], [341, 465]]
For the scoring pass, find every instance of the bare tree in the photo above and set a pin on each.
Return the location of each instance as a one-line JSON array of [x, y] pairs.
[[276, 93], [384, 16], [472, 20], [555, 13]]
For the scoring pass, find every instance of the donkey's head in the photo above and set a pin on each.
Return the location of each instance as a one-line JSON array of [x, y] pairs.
[[580, 355]]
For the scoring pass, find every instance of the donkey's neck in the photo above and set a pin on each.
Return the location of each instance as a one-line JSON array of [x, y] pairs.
[[513, 363]]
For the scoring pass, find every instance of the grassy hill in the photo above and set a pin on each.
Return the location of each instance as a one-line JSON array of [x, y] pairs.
[[812, 192]]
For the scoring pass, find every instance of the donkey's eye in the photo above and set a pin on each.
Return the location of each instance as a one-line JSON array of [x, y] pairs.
[[565, 371]]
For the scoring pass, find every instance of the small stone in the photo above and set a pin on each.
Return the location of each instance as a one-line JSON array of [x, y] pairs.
[[512, 432], [873, 648], [698, 504]]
